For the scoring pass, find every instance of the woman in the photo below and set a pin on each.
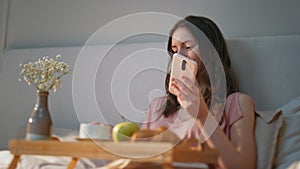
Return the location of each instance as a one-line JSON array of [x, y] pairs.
[[234, 134]]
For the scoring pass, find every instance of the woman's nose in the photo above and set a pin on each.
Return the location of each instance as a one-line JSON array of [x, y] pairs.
[[181, 51]]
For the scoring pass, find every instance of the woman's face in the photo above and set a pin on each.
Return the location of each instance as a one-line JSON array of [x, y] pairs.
[[184, 43]]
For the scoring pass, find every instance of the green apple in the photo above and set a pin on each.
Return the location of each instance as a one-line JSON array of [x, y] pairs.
[[123, 131]]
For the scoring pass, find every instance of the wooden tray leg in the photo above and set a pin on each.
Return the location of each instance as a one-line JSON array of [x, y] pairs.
[[73, 162], [13, 164], [167, 166], [211, 166]]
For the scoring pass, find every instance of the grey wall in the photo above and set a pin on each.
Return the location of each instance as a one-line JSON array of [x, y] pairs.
[[44, 23], [43, 27]]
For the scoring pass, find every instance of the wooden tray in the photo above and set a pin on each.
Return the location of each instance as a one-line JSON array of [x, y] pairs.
[[162, 152]]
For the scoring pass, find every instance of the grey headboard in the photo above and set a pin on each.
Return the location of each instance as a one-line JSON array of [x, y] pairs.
[[267, 68]]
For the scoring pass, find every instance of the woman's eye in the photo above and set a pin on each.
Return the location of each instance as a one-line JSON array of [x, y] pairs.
[[188, 48]]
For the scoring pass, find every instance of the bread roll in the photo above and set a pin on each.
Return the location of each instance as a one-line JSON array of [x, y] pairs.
[[161, 134]]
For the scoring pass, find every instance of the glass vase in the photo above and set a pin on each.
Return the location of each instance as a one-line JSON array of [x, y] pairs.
[[39, 124]]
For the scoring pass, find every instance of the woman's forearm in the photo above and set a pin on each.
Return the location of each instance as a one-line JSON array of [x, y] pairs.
[[229, 155]]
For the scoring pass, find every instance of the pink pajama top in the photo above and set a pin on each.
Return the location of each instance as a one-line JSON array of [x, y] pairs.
[[186, 128]]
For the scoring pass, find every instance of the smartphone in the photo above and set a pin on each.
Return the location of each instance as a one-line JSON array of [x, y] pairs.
[[182, 66]]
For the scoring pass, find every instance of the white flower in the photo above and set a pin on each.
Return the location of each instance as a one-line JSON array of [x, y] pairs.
[[45, 73]]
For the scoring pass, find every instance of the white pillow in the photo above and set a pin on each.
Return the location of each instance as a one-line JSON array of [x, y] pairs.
[[267, 126], [288, 152]]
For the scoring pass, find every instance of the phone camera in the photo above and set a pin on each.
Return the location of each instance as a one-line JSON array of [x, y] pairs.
[[183, 65]]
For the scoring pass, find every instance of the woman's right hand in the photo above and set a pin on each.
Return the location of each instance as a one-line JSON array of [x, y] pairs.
[[188, 95]]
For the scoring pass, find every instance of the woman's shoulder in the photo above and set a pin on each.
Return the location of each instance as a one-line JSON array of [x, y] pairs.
[[239, 97], [159, 99], [235, 106], [238, 100], [157, 103], [154, 112]]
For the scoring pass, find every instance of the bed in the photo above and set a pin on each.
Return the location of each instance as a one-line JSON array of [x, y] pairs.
[[267, 69]]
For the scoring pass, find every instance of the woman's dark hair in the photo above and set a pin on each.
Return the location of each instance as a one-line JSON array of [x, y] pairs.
[[213, 33]]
